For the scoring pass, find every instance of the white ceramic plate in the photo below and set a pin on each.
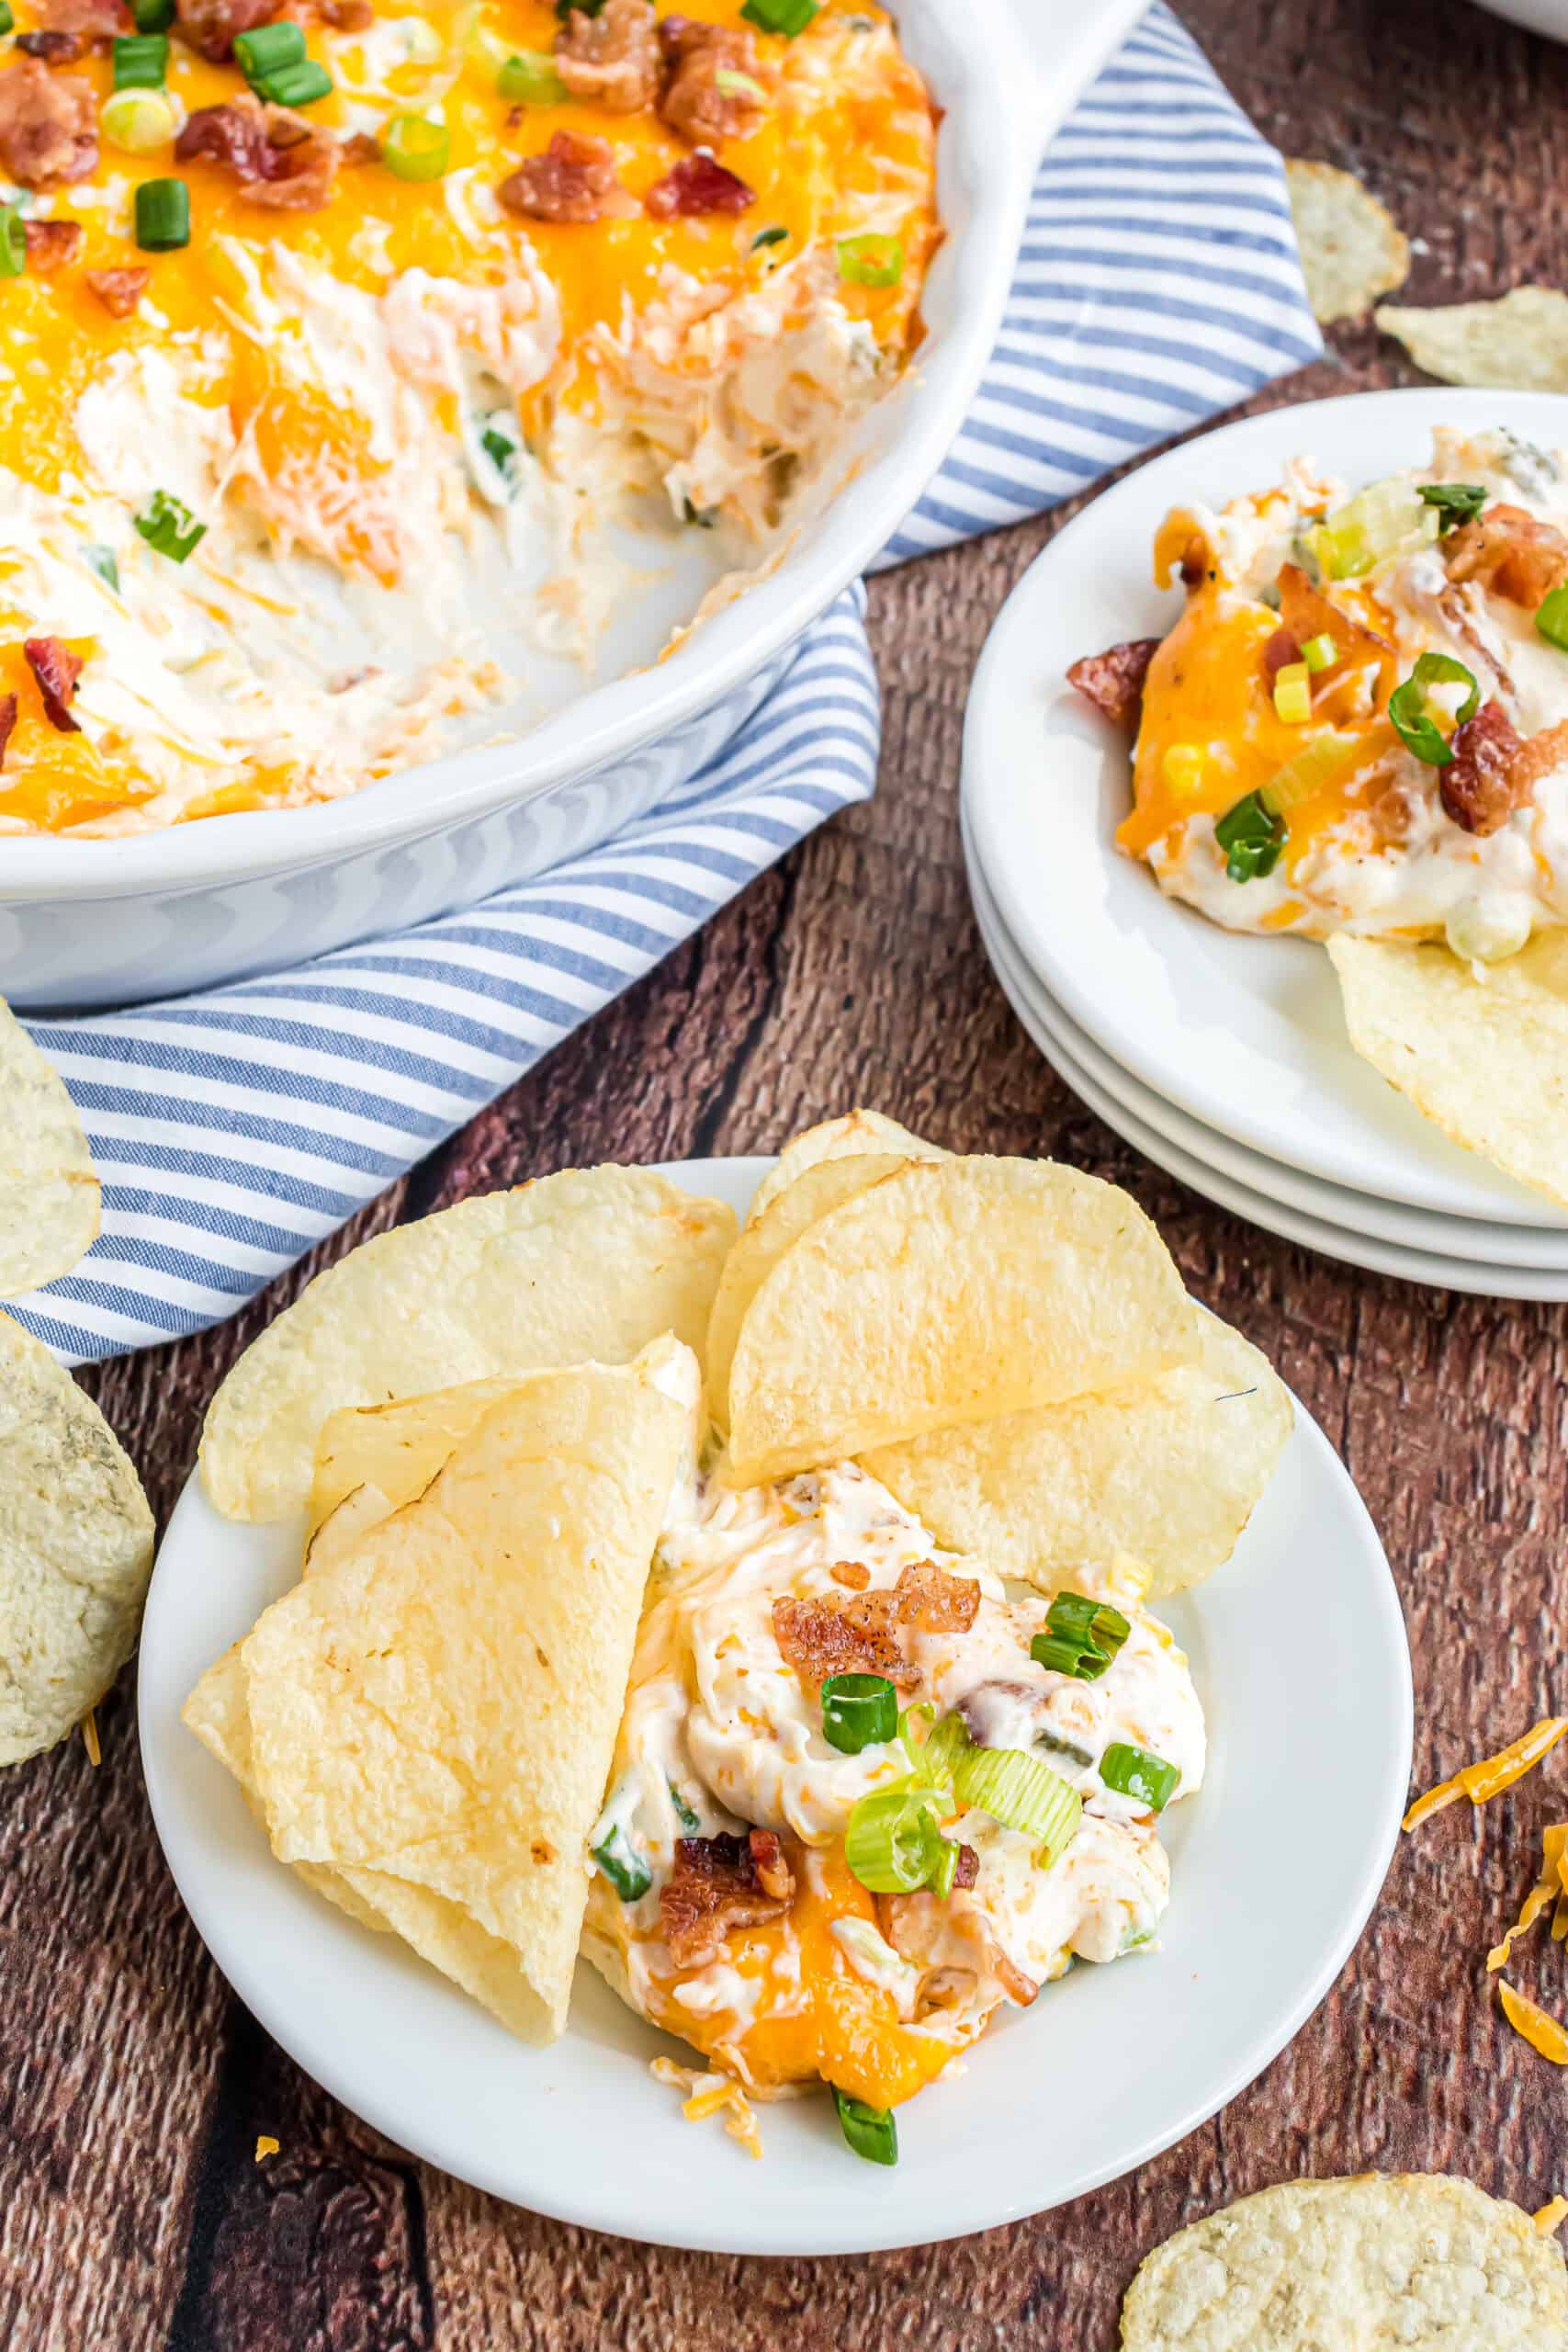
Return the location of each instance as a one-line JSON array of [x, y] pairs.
[[1536, 1247], [1246, 1034], [1548, 17], [1042, 1020], [1110, 2065]]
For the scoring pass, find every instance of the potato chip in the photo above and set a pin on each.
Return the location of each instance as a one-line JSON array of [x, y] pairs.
[[953, 1290], [840, 1139], [1352, 249], [763, 1241], [1416, 2260], [1168, 1469], [76, 1550], [588, 1265], [431, 1715], [1486, 1058], [1517, 344], [49, 1193]]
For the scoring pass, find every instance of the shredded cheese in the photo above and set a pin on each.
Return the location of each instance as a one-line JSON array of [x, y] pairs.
[[1493, 1774], [1552, 1885], [708, 2095], [265, 2146], [1546, 2220], [1543, 2032], [90, 1739]]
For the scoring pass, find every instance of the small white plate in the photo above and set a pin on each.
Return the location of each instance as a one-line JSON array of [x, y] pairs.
[[1042, 1020], [1110, 2065], [1547, 17], [1536, 1247], [1246, 1034]]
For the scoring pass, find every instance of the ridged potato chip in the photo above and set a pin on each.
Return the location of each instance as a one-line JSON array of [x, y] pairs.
[[840, 1139], [1486, 1059], [1517, 344], [586, 1266], [76, 1550], [1351, 247], [951, 1291], [49, 1192], [428, 1719], [1419, 2260], [1168, 1469]]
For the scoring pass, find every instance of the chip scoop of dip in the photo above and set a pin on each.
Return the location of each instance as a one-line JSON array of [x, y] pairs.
[[49, 1193], [76, 1550]]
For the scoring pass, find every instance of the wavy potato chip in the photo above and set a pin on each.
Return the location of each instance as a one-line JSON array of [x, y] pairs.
[[49, 1193], [840, 1139], [1486, 1059], [586, 1266], [75, 1549], [1517, 344], [1418, 2260], [951, 1291], [1352, 249], [1168, 1469], [429, 1717]]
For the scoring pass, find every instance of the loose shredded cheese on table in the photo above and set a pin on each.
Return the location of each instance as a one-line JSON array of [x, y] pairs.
[[708, 2095], [1546, 2220], [90, 1739], [265, 2146], [1491, 1774], [1543, 2032], [1550, 1887]]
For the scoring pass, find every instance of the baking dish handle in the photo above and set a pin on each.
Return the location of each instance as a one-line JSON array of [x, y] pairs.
[[1062, 44]]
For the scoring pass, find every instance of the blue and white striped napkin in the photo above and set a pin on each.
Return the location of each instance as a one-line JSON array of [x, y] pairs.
[[1159, 283]]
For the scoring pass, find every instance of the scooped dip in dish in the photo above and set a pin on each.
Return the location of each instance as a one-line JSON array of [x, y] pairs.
[[362, 367]]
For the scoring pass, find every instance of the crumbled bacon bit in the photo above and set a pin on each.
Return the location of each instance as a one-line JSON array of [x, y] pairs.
[[1017, 1987], [968, 1868], [862, 1635], [1479, 787], [56, 669], [774, 1875], [360, 147], [1113, 681], [68, 29], [1508, 551], [719, 85], [279, 159], [340, 16], [7, 720], [1280, 653], [933, 1601], [697, 184], [49, 126], [211, 26], [611, 59], [120, 291], [852, 1574], [53, 49], [53, 244], [716, 1887], [574, 179]]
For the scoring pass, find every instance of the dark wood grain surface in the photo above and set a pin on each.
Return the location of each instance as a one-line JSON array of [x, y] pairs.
[[133, 2215]]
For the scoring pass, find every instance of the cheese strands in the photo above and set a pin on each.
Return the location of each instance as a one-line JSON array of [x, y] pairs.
[[1493, 1774]]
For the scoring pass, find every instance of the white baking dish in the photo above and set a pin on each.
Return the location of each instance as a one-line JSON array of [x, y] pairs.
[[101, 922]]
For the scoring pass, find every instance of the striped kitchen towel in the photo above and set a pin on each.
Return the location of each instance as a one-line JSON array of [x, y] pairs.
[[1159, 283]]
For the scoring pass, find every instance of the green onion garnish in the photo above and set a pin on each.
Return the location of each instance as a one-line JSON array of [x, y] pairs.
[[942, 1748], [891, 1841], [6, 20], [165, 522], [1407, 706], [1456, 502], [416, 148], [1080, 1659], [152, 16], [162, 224], [738, 85], [1074, 1754], [768, 237], [101, 559], [139, 121], [1252, 837], [858, 1711], [268, 50], [1133, 1772], [1073, 1617], [786, 17], [1382, 521], [1551, 618], [302, 86], [141, 61], [703, 517], [13, 241], [946, 1869], [870, 2130], [871, 261], [1320, 652], [531, 77], [683, 1814], [502, 445], [622, 1865], [1023, 1792]]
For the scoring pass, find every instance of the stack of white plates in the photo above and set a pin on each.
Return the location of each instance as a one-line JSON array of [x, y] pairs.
[[1224, 1058]]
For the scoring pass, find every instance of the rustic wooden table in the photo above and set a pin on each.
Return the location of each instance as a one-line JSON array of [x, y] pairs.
[[133, 2085]]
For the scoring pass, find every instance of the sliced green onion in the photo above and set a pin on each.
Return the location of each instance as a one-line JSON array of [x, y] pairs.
[[302, 86], [163, 220], [139, 121], [946, 1869], [1490, 936], [268, 50], [531, 77], [141, 61], [1320, 652], [1074, 1754], [622, 1865], [13, 241], [703, 517], [683, 1814], [501, 445], [1074, 1617], [6, 19], [942, 1751], [416, 148], [1456, 502], [101, 559], [871, 260], [768, 237], [1407, 706], [786, 17], [914, 1748], [891, 1841], [738, 85], [870, 2130], [858, 1711], [1252, 837], [1057, 1656], [1135, 1772], [1386, 520], [1325, 757], [152, 16], [1292, 694], [166, 523], [1551, 618], [1023, 1792]]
